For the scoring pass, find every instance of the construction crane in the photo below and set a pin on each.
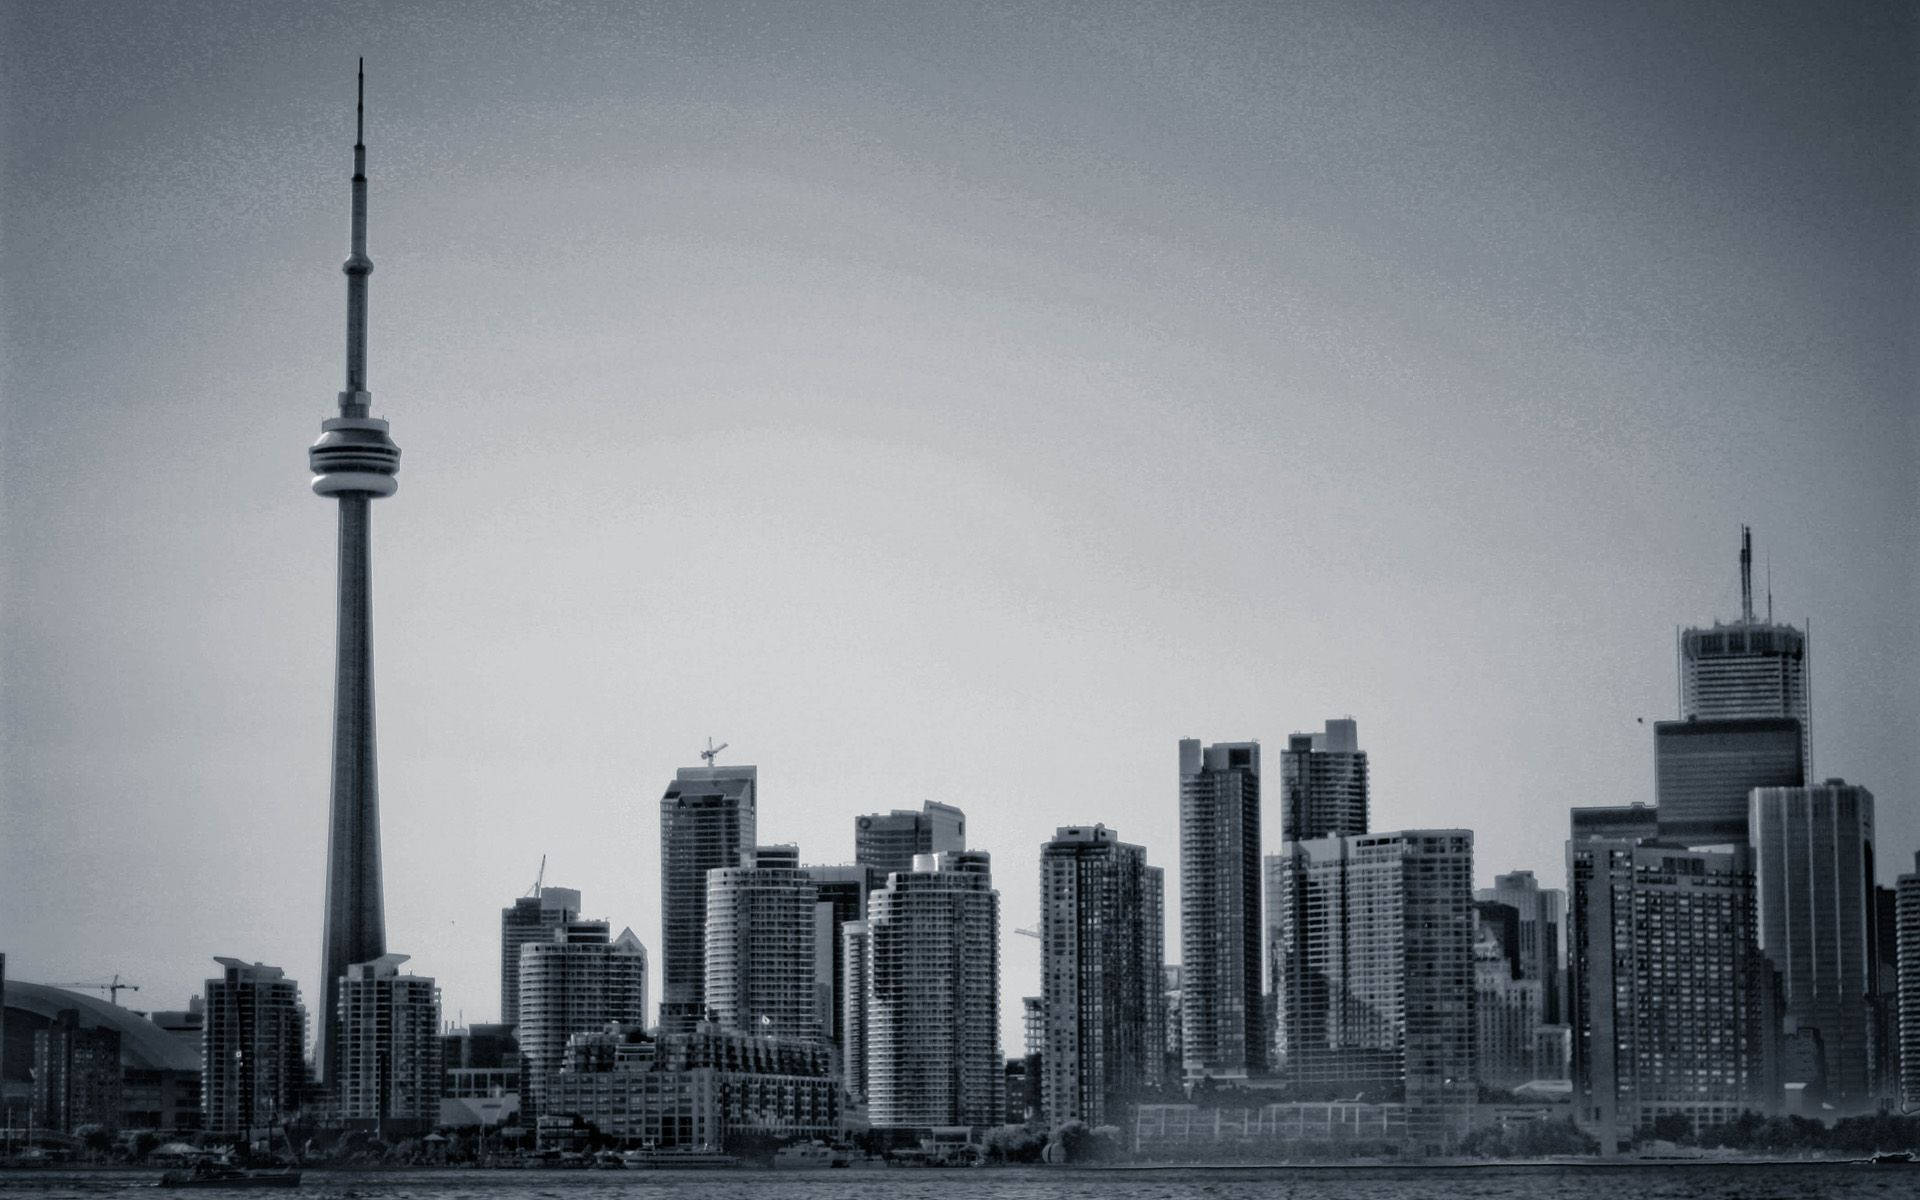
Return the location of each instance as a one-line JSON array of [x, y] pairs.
[[113, 988], [1032, 933], [540, 878], [712, 750]]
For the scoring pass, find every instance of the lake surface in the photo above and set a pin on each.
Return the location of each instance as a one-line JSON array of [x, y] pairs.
[[1718, 1181]]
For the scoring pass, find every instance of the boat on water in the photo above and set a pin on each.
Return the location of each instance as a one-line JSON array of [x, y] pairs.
[[226, 1175], [679, 1158], [808, 1156], [1892, 1158]]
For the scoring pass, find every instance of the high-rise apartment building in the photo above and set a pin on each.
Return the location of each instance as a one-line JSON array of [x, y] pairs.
[[77, 1078], [1538, 915], [933, 1007], [256, 1068], [1323, 783], [888, 842], [534, 918], [760, 957], [842, 899], [707, 817], [1668, 993], [389, 1048], [1884, 1031], [1704, 769], [1373, 937], [857, 971], [1221, 1022], [1813, 871], [576, 983], [1750, 668], [1907, 918], [1100, 947]]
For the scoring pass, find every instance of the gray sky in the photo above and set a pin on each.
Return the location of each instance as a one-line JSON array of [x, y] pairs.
[[951, 401]]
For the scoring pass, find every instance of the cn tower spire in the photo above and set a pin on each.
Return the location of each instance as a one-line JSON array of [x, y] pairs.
[[354, 462]]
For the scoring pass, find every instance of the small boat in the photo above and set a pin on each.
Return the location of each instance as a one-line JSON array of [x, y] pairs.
[[1892, 1158], [807, 1156], [226, 1175]]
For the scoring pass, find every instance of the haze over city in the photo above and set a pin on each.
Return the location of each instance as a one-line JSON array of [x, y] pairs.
[[932, 402]]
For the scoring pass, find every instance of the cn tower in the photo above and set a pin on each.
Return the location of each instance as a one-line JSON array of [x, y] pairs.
[[354, 462]]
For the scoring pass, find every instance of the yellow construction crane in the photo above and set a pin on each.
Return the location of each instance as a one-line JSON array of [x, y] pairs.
[[112, 988]]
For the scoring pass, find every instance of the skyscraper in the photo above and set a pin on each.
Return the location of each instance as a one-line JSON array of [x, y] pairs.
[[1813, 871], [1907, 917], [1748, 668], [532, 918], [707, 817], [857, 970], [255, 1032], [389, 1055], [1668, 993], [1374, 937], [77, 1079], [354, 461], [1100, 974], [1538, 912], [576, 983], [888, 842], [1220, 908], [1508, 1009], [842, 900], [760, 956], [1323, 783], [1703, 770], [933, 1005]]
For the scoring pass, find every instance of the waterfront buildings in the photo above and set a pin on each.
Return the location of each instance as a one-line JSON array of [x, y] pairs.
[[1813, 870], [707, 817], [1323, 783], [933, 1019], [1509, 1010], [888, 842], [76, 1075], [255, 1061], [1668, 993], [1704, 769], [1907, 991], [1538, 914], [760, 952], [842, 899], [1748, 668], [1101, 951], [856, 972], [532, 918], [697, 1089], [575, 983], [1374, 937], [389, 1048], [354, 462], [159, 1069], [1221, 1018]]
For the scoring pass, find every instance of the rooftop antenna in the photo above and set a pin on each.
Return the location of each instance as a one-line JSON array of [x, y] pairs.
[[712, 751], [1746, 574], [1769, 587]]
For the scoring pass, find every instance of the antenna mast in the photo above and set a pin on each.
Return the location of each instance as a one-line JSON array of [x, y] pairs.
[[1746, 574]]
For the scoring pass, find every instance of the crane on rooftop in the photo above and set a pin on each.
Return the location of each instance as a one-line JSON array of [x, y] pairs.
[[540, 878], [712, 751], [113, 988]]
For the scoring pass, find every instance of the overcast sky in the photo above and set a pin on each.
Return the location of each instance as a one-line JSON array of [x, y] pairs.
[[951, 401]]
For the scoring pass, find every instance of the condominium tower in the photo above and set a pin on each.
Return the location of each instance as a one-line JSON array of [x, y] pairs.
[[389, 1048], [888, 842], [255, 1038], [1747, 668], [576, 983], [760, 955], [933, 1005], [706, 820], [1323, 783], [1221, 1021], [532, 918], [1101, 950]]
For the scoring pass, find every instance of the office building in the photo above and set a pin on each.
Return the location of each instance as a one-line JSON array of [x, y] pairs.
[[697, 1089], [480, 1062], [706, 820], [76, 1075], [888, 842], [1372, 937], [1704, 769], [532, 918], [1668, 993], [1538, 914], [575, 983], [255, 1062], [1884, 1031], [760, 956], [842, 900], [1509, 1010], [1221, 1019], [1813, 872], [389, 1049], [1616, 822], [353, 462], [1750, 668], [1907, 990], [1323, 783], [1100, 974], [933, 1007]]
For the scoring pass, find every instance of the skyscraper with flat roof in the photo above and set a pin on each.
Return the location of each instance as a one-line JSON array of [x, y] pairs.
[[255, 1036], [1906, 903], [888, 842], [1749, 668], [1221, 1022], [842, 899], [576, 983], [1100, 949], [529, 919], [389, 1055], [760, 956], [1539, 912], [707, 817], [1703, 771], [1813, 869], [1323, 783]]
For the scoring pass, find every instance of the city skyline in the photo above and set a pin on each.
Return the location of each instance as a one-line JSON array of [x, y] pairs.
[[954, 566]]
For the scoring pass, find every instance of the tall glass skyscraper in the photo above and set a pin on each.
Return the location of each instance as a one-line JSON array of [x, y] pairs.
[[529, 919], [1703, 771], [1747, 668], [1323, 783], [706, 820], [888, 842], [1222, 1021]]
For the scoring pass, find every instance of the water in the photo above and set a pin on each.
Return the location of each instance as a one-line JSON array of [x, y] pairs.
[[1720, 1181]]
